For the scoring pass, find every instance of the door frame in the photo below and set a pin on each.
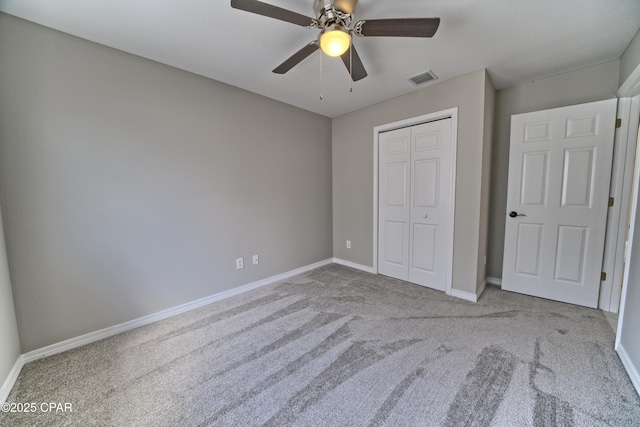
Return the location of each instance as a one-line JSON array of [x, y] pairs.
[[611, 290], [624, 153], [630, 361], [630, 90], [451, 113]]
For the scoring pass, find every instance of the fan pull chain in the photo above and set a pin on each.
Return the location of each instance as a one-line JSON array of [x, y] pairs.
[[321, 95]]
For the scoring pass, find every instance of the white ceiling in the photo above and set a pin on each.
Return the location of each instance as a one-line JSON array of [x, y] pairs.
[[516, 40]]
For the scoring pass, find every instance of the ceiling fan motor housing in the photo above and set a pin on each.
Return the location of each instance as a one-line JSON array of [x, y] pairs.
[[329, 14]]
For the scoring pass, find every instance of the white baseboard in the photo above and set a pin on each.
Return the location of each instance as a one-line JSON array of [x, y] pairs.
[[11, 379], [161, 315], [494, 281], [629, 366], [468, 296], [354, 265]]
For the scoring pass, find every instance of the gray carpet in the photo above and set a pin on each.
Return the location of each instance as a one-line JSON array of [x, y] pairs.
[[338, 347]]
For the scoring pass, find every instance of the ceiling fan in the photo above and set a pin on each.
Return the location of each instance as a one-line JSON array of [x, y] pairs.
[[333, 19]]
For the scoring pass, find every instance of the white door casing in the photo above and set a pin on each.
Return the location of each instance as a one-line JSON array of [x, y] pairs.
[[414, 203], [559, 174]]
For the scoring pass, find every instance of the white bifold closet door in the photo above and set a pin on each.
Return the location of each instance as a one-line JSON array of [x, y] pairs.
[[414, 203]]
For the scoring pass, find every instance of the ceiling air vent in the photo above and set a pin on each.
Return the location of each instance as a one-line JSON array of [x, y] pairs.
[[423, 78]]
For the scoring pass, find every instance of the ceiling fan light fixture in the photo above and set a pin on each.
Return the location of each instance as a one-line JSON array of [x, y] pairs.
[[335, 40]]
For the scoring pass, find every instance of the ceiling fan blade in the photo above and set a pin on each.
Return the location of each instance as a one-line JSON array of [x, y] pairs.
[[359, 72], [403, 27], [297, 57], [271, 11], [346, 6]]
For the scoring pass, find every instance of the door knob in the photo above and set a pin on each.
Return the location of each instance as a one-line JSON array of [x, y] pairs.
[[425, 216], [514, 214]]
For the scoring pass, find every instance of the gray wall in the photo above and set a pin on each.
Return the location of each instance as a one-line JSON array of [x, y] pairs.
[[630, 59], [129, 187], [353, 170], [587, 85], [485, 198], [9, 341]]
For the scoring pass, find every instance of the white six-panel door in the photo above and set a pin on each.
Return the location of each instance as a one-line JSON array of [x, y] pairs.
[[557, 201], [414, 195]]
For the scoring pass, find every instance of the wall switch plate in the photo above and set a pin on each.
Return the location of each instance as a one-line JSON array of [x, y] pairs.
[[348, 244], [256, 260], [239, 263]]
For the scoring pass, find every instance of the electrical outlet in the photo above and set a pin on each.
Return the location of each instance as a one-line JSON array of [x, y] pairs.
[[256, 260], [239, 263], [348, 244]]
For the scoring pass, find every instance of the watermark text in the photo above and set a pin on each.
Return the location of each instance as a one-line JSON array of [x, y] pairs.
[[43, 407]]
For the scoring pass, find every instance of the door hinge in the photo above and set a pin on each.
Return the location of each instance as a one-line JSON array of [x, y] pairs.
[[611, 200], [603, 276], [618, 123]]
